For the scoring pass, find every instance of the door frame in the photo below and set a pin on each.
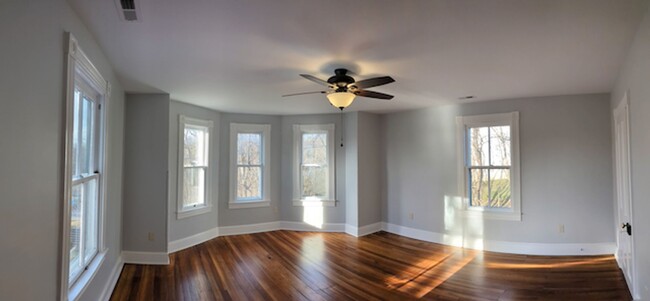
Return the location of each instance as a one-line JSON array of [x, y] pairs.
[[622, 111]]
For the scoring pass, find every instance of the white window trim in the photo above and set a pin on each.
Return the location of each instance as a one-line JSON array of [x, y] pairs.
[[265, 130], [207, 206], [464, 122], [298, 130], [77, 61]]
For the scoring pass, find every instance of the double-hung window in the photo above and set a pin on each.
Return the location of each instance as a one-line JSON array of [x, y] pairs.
[[314, 164], [250, 172], [489, 167], [84, 172], [194, 173]]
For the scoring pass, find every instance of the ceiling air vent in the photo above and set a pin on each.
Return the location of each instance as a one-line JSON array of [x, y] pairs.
[[129, 10]]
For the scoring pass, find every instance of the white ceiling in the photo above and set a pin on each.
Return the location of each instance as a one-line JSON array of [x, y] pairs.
[[241, 55]]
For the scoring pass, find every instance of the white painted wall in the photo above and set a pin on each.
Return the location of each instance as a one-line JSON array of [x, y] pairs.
[[32, 104], [634, 78], [566, 171]]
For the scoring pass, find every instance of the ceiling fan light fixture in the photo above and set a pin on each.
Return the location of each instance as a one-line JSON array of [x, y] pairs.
[[341, 100]]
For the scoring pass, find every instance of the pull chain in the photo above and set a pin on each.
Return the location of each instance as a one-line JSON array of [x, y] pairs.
[[341, 117]]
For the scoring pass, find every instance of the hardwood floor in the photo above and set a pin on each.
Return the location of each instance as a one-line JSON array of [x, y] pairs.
[[288, 265]]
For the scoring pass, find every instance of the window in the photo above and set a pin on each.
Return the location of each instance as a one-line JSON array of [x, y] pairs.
[[85, 178], [250, 147], [194, 167], [489, 167], [314, 164]]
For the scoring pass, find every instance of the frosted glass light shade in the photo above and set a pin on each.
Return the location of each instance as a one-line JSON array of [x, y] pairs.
[[341, 100]]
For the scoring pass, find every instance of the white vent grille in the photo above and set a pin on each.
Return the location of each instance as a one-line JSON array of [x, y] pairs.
[[129, 10]]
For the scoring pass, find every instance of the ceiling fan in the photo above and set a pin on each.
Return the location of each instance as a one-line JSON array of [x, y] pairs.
[[342, 88]]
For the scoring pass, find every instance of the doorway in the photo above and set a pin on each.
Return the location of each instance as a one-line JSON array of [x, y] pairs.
[[624, 238]]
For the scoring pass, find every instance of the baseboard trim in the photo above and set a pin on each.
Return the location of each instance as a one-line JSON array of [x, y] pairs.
[[300, 226], [161, 258], [548, 249], [248, 229], [193, 240], [112, 280], [369, 229]]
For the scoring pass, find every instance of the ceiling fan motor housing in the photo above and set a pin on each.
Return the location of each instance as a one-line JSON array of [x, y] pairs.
[[340, 79]]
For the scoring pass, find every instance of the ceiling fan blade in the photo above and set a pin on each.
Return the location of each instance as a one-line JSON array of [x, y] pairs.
[[373, 82], [316, 80], [304, 93], [373, 94]]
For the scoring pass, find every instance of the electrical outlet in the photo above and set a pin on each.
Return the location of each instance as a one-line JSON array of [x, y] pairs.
[[151, 236], [560, 228], [275, 209], [411, 216]]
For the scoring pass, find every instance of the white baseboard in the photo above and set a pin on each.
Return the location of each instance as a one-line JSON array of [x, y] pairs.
[[352, 230], [112, 280], [193, 240], [369, 229], [504, 246], [363, 230], [145, 257], [300, 226], [247, 229]]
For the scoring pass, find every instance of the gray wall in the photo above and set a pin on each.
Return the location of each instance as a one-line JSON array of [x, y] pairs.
[[566, 172], [370, 165], [231, 217], [288, 212], [634, 77], [32, 81], [351, 149], [145, 172], [181, 228]]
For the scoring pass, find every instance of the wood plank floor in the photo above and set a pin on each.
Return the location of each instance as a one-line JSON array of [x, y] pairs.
[[288, 265]]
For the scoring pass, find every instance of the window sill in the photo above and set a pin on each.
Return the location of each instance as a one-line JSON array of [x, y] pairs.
[[314, 203], [192, 212], [248, 204], [495, 215], [77, 289]]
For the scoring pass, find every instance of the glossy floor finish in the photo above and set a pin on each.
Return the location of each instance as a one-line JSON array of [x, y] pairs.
[[288, 265]]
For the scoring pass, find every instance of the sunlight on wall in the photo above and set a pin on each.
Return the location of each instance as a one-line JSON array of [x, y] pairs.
[[313, 214], [461, 230]]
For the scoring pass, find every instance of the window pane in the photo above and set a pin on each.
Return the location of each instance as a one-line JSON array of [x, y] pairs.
[[479, 187], [193, 187], [314, 181], [314, 148], [91, 205], [195, 146], [500, 145], [478, 146], [249, 147], [82, 135], [249, 183], [76, 209], [75, 133], [500, 188]]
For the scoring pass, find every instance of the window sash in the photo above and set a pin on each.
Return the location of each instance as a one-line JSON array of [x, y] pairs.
[[85, 95], [80, 263], [203, 144], [202, 202], [327, 165], [260, 189], [470, 196]]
